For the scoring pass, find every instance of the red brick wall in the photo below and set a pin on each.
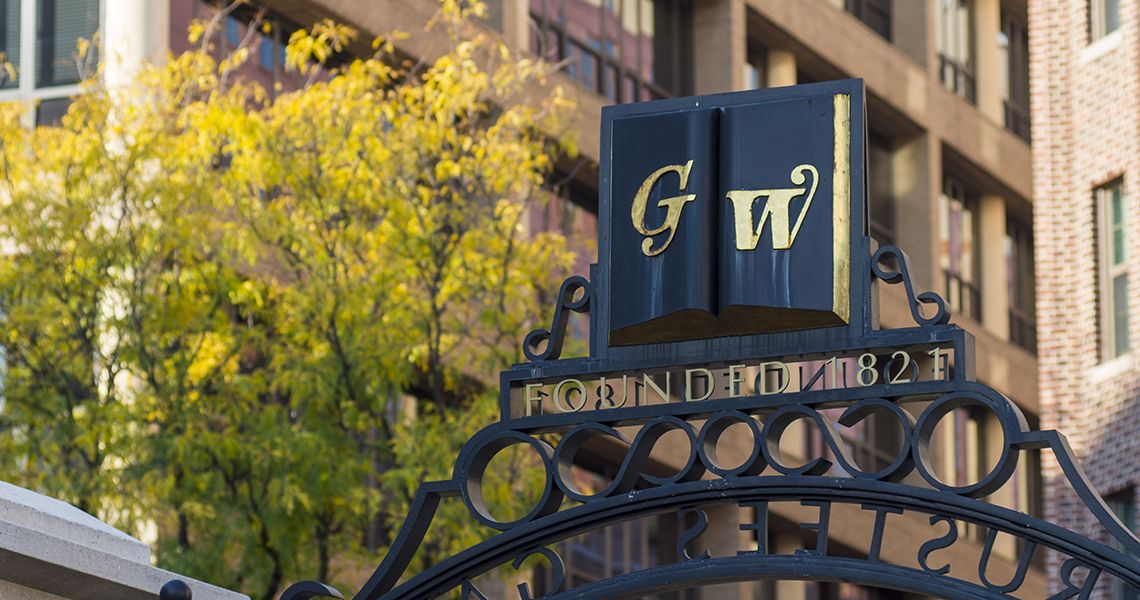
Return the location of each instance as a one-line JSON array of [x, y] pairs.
[[1085, 111]]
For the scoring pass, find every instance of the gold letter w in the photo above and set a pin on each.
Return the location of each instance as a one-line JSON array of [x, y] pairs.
[[777, 206]]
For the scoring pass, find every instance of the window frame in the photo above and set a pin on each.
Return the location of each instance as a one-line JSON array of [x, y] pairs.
[[1098, 20], [866, 10], [1015, 30], [1122, 503], [1019, 254], [1108, 272], [882, 212], [26, 89], [958, 75], [756, 65], [967, 288]]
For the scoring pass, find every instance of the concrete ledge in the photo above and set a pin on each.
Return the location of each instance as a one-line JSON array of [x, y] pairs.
[[50, 549]]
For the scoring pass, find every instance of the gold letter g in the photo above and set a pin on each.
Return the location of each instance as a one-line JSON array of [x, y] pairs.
[[672, 205]]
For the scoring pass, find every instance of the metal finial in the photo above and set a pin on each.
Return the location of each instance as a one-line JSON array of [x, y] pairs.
[[175, 589]]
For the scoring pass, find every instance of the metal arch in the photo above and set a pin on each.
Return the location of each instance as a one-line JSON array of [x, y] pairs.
[[504, 547], [545, 524], [623, 502], [751, 568]]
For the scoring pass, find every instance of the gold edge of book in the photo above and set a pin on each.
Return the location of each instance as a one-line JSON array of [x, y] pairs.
[[841, 209]]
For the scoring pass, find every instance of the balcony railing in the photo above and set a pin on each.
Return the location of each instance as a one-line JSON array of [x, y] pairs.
[[875, 14], [957, 77], [1022, 329], [1017, 120], [963, 296], [597, 71]]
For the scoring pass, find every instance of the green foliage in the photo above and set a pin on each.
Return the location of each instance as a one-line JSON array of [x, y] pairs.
[[214, 304]]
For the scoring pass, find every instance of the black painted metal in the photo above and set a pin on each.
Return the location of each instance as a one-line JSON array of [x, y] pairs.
[[635, 493], [175, 589], [556, 335], [764, 475]]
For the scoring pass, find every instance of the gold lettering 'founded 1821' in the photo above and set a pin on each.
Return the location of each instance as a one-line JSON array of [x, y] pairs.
[[777, 210]]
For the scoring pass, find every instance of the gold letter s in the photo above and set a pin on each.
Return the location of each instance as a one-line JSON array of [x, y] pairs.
[[672, 205]]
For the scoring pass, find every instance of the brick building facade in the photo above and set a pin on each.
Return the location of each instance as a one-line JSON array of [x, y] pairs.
[[1086, 142]]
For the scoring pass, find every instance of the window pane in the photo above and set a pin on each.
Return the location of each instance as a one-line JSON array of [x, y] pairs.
[[10, 38], [622, 49], [1117, 226], [756, 68], [1117, 245], [495, 14], [956, 46], [1120, 313], [233, 32], [879, 181], [59, 25], [876, 14], [265, 53], [50, 112], [1111, 16], [1117, 206]]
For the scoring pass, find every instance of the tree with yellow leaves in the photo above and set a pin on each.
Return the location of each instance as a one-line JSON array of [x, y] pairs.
[[216, 301]]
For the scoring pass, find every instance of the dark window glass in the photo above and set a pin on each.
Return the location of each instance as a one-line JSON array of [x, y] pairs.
[[50, 112], [59, 26], [233, 32], [625, 50], [756, 69], [876, 14], [959, 252], [266, 50], [880, 181], [1015, 43], [10, 39], [1020, 281], [495, 13], [1123, 505]]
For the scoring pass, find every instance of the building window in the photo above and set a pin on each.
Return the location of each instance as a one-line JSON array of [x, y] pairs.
[[1104, 18], [1020, 281], [39, 39], [233, 31], [959, 252], [625, 50], [1113, 270], [1014, 43], [611, 550], [875, 14], [10, 40], [880, 183], [1123, 505], [756, 68], [956, 46]]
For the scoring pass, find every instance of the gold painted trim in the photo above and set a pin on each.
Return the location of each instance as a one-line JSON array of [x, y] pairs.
[[841, 210]]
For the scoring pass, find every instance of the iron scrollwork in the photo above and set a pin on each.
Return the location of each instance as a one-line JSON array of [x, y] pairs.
[[563, 509], [568, 300], [902, 274]]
